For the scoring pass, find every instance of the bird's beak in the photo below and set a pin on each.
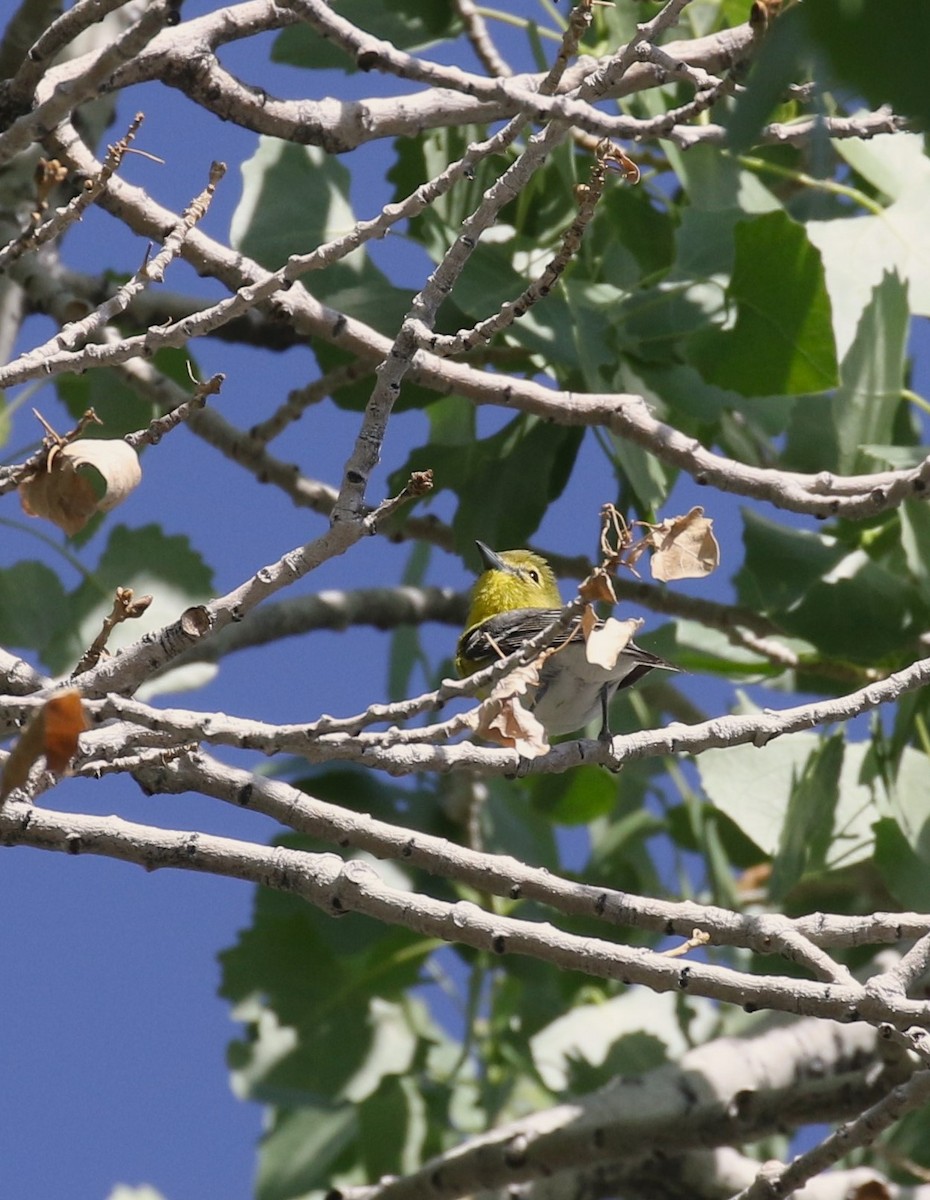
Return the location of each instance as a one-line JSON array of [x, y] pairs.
[[489, 560]]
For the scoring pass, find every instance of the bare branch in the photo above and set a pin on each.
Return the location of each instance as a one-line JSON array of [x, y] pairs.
[[65, 96], [778, 1180], [335, 886]]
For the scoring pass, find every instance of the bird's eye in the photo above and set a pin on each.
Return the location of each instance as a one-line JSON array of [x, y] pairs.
[[534, 575]]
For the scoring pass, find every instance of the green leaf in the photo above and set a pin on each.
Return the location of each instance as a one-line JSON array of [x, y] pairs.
[[33, 606], [910, 800], [781, 563], [148, 561], [120, 407], [406, 651], [905, 874], [293, 199], [805, 836], [576, 797], [355, 396], [423, 158], [628, 218], [634, 1032], [505, 482], [489, 280], [705, 242], [842, 602], [593, 323], [300, 1153], [644, 482], [681, 389], [908, 1140], [409, 24], [872, 377], [393, 1126], [715, 182], [337, 985], [512, 826], [296, 198], [779, 62], [915, 542], [755, 786], [829, 433], [884, 59], [619, 850], [782, 341], [858, 250], [6, 425], [654, 322]]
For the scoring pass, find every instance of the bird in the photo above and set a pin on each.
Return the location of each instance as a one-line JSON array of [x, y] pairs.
[[515, 598]]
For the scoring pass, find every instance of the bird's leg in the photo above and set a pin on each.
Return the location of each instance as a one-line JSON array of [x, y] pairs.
[[604, 735]]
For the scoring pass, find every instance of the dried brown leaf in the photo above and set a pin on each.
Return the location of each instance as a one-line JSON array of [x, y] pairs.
[[684, 547], [607, 642], [588, 621], [598, 587], [86, 477], [515, 728], [502, 719]]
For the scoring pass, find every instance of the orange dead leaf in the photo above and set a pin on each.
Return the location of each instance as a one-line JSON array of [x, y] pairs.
[[64, 720], [26, 750], [53, 732]]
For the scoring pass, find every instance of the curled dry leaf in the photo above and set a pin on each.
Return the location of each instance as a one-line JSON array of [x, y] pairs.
[[588, 621], [606, 643], [598, 587], [86, 477], [53, 732], [502, 719], [683, 547], [515, 728]]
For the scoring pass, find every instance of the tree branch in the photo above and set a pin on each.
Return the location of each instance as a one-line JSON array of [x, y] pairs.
[[335, 886], [822, 495]]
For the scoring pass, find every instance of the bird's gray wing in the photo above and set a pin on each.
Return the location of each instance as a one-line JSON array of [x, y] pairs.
[[506, 632]]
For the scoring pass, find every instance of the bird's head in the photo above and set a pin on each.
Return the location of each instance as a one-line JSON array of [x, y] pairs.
[[511, 579]]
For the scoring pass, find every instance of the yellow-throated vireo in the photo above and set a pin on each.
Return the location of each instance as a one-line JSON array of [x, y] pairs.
[[513, 600]]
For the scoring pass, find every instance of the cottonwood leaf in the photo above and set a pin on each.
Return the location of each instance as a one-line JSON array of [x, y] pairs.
[[859, 250], [781, 342]]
